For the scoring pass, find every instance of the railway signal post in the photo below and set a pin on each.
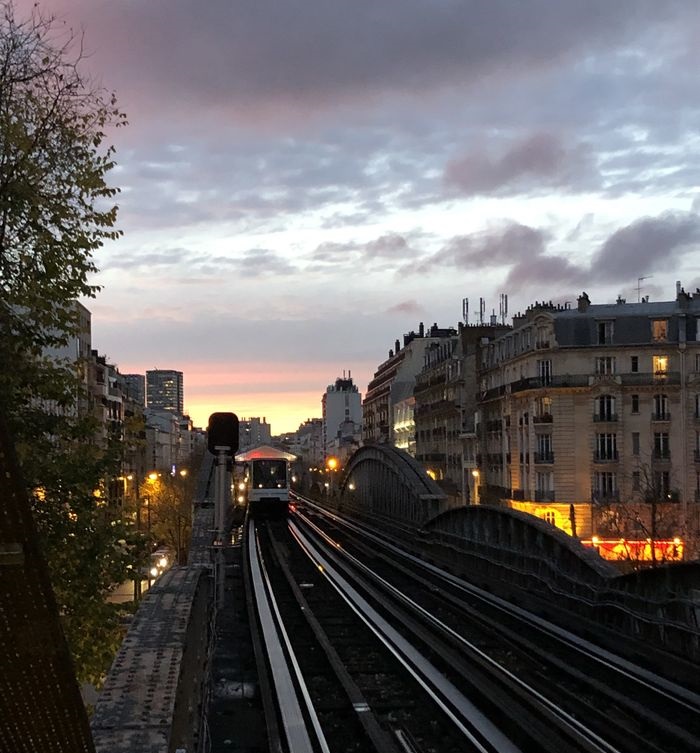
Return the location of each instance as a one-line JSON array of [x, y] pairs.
[[222, 442]]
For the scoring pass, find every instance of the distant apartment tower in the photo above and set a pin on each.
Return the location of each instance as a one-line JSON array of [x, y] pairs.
[[135, 388], [253, 432], [164, 390], [342, 410]]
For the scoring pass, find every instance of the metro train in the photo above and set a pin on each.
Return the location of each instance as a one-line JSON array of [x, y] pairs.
[[266, 479]]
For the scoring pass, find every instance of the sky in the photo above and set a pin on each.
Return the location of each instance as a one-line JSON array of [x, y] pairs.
[[304, 181]]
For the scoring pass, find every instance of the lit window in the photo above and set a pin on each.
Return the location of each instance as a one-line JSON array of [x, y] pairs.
[[659, 330], [660, 364]]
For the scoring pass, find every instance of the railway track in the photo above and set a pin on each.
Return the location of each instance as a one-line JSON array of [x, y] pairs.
[[621, 704], [382, 661]]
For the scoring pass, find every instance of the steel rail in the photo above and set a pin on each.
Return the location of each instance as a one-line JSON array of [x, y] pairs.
[[294, 704], [471, 722], [588, 739], [666, 689]]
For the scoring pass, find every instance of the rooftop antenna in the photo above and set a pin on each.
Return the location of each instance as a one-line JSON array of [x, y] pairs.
[[465, 310], [639, 286], [482, 309], [503, 307]]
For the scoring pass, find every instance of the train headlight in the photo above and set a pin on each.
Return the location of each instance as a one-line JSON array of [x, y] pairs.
[[163, 562], [241, 499], [241, 486], [154, 572]]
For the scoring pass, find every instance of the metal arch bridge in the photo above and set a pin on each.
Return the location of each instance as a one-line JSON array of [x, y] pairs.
[[383, 481], [386, 483]]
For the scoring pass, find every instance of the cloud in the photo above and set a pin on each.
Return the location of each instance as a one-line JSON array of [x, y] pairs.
[[406, 307], [536, 162], [304, 54], [645, 245], [392, 246], [490, 248]]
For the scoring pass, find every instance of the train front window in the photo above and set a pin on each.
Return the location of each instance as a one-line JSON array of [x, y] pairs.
[[269, 474]]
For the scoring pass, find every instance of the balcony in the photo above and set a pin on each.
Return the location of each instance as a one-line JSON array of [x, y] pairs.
[[667, 377], [603, 498], [660, 416], [544, 458], [544, 495], [662, 455], [605, 457], [545, 418], [604, 417]]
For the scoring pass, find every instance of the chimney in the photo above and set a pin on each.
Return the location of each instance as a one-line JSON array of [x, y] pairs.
[[583, 302], [421, 330], [391, 354], [397, 346]]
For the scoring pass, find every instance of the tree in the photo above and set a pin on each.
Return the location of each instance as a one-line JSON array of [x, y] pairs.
[[55, 213], [54, 200], [650, 513], [170, 501]]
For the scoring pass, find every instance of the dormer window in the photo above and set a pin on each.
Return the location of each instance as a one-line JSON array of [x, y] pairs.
[[659, 330], [605, 333]]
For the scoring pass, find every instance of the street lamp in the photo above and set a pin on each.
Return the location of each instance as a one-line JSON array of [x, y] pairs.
[[475, 474]]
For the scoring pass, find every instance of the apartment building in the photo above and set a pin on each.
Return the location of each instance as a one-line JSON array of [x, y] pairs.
[[341, 406], [393, 383], [589, 417], [165, 390], [445, 402]]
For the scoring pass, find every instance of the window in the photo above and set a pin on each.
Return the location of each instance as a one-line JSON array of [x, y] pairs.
[[605, 333], [659, 330], [605, 365], [544, 448], [605, 408], [543, 481], [635, 403], [544, 371], [697, 405], [550, 517], [661, 408], [606, 446], [662, 484], [660, 365], [697, 362], [661, 447], [634, 365], [635, 481], [635, 443], [543, 406], [605, 483]]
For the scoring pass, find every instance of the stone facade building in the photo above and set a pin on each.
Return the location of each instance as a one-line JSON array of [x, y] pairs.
[[394, 381], [589, 417]]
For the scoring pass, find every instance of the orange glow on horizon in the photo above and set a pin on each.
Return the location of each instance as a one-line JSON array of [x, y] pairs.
[[285, 394]]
